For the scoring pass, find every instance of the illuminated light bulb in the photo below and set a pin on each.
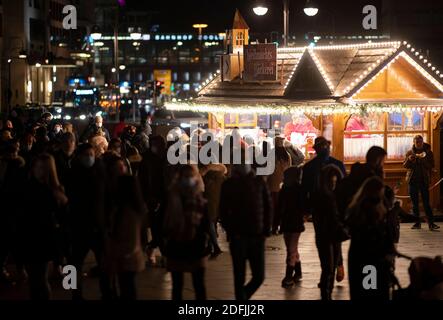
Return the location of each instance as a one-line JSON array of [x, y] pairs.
[[412, 49], [416, 53], [425, 60], [429, 64], [408, 46], [421, 57]]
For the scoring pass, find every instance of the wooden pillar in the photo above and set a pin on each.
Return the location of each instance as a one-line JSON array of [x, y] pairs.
[[339, 126], [434, 140]]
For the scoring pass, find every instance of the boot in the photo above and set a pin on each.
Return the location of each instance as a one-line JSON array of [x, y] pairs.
[[433, 226], [297, 272], [288, 280]]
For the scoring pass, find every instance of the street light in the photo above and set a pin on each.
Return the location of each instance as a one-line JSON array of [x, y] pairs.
[[200, 27], [311, 8], [260, 8]]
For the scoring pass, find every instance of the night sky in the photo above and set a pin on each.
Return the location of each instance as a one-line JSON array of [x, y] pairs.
[[218, 14]]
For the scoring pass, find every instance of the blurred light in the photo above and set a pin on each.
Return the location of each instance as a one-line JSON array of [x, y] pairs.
[[9, 60], [96, 36], [113, 70], [260, 10], [310, 9], [82, 117], [38, 65], [68, 117], [185, 125], [50, 86], [58, 110], [122, 67], [29, 86]]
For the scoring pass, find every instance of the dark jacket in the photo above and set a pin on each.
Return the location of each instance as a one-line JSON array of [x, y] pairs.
[[37, 223], [85, 189], [349, 186], [189, 244], [419, 170], [326, 218], [311, 177], [63, 165], [245, 206], [290, 209]]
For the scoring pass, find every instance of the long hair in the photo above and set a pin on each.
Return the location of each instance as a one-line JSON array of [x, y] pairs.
[[50, 177], [327, 173], [372, 189]]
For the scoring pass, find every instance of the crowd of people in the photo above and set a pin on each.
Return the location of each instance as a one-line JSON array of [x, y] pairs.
[[66, 193]]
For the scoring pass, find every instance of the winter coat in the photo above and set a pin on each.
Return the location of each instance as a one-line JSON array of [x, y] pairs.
[[290, 209], [311, 177], [213, 181], [246, 206], [37, 224], [326, 218], [85, 188], [186, 240], [126, 252], [419, 170]]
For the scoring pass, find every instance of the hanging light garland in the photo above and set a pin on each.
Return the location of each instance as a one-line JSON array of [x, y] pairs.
[[189, 105]]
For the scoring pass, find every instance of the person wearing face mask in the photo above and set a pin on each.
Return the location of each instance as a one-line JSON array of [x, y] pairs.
[[93, 129], [56, 133], [311, 181], [246, 215], [371, 242], [186, 230], [86, 191]]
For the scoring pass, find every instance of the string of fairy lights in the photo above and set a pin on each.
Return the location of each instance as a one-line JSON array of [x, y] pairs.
[[332, 109], [425, 68]]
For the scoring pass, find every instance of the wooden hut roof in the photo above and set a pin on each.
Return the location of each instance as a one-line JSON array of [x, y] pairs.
[[344, 69]]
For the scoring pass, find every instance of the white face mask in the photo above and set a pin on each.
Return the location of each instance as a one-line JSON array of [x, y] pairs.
[[87, 161], [57, 129], [188, 182]]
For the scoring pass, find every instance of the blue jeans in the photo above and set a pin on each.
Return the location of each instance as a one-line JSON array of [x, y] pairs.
[[414, 190]]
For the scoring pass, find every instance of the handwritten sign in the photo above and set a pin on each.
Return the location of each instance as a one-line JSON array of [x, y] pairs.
[[260, 62]]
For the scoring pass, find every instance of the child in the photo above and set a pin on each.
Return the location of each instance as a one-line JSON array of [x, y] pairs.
[[292, 223]]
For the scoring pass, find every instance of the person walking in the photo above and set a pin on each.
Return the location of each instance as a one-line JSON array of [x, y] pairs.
[[328, 228], [86, 221], [420, 161], [125, 245], [186, 230], [311, 179], [246, 215], [38, 223], [292, 223], [371, 242]]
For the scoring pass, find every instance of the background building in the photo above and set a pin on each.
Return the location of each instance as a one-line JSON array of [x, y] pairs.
[[37, 53]]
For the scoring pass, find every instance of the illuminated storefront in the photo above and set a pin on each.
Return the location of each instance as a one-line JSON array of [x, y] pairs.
[[357, 96]]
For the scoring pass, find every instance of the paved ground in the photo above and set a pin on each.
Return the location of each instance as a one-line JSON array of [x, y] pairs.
[[155, 282]]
